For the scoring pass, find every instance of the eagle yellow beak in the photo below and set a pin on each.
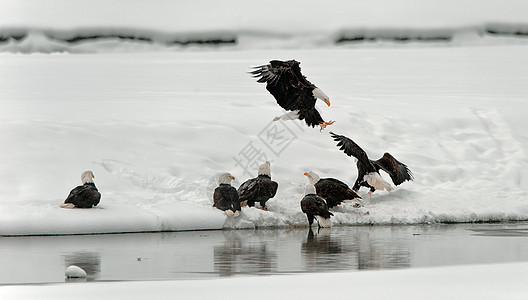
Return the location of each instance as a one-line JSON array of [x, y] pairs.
[[93, 176], [232, 177], [306, 174], [327, 102]]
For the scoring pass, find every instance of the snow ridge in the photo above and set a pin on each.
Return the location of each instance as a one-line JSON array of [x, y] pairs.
[[95, 40]]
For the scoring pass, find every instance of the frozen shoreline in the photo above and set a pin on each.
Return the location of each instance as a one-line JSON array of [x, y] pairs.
[[498, 281]]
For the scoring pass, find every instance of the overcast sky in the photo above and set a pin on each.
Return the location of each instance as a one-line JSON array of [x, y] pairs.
[[184, 15]]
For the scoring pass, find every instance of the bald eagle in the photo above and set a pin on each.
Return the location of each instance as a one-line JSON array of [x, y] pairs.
[[333, 190], [292, 91], [259, 189], [368, 170], [85, 195], [225, 197], [315, 207]]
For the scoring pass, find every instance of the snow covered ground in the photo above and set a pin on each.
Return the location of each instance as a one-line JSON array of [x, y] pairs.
[[156, 128]]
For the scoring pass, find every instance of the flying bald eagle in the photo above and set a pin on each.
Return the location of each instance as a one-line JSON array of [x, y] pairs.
[[315, 207], [85, 195], [259, 189], [225, 197], [368, 170], [333, 190], [292, 91]]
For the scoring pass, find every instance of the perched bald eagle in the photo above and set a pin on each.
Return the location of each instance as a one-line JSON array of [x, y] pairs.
[[225, 197], [259, 189], [315, 207], [292, 91], [368, 170], [333, 190], [85, 195]]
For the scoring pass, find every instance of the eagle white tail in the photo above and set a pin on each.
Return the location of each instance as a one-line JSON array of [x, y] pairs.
[[229, 213], [375, 180], [325, 223], [67, 205]]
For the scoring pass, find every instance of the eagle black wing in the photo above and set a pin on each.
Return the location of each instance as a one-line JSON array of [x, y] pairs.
[[247, 190], [399, 172], [257, 190], [84, 196], [235, 201], [267, 190], [271, 187], [226, 197], [334, 191], [315, 206], [290, 88], [352, 149], [330, 182]]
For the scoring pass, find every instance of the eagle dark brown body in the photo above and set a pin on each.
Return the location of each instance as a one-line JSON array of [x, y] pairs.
[[258, 190], [334, 191], [84, 196], [225, 197]]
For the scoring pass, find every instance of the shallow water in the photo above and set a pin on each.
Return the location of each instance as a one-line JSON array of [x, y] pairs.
[[206, 254]]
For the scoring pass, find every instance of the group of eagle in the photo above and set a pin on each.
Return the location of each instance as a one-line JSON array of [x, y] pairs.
[[296, 94]]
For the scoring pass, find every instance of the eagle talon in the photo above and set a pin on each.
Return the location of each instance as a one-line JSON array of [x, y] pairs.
[[324, 124]]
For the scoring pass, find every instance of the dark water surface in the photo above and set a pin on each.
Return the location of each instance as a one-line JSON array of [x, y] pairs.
[[209, 254]]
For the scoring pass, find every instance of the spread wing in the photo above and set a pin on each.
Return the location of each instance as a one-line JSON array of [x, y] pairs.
[[399, 172], [285, 82], [352, 149]]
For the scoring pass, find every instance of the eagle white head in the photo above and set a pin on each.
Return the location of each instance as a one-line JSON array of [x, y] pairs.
[[87, 176], [225, 178], [319, 94], [313, 177], [264, 169], [310, 189]]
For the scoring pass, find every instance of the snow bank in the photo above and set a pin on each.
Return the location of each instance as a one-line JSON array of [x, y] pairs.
[[156, 129], [503, 281], [97, 40], [136, 26]]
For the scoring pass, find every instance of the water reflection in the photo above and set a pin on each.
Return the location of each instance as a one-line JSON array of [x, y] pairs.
[[324, 252], [504, 232], [86, 260], [238, 255], [354, 249], [206, 254]]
